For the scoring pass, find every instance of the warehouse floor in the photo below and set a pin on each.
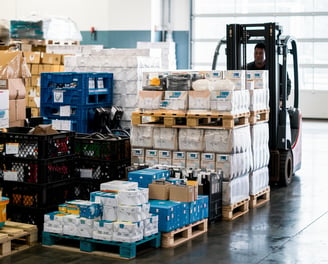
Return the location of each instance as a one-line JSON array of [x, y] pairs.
[[291, 228]]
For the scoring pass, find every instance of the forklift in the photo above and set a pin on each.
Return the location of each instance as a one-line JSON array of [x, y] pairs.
[[285, 122]]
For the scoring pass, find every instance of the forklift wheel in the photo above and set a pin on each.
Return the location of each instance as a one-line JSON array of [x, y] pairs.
[[286, 167]]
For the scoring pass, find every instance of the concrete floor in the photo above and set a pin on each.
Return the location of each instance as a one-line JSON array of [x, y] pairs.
[[292, 228]]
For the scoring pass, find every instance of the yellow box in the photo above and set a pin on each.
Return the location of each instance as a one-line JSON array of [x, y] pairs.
[[35, 69], [49, 58], [62, 208], [32, 56], [35, 111], [73, 209]]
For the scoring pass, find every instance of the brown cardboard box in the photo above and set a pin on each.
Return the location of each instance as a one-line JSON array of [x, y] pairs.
[[35, 80], [35, 69], [17, 110], [33, 101], [49, 58], [48, 68], [13, 65], [182, 193], [35, 111], [159, 190], [16, 88], [17, 123], [32, 56]]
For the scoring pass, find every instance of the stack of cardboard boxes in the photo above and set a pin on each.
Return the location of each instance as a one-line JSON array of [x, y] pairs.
[[13, 70], [39, 62]]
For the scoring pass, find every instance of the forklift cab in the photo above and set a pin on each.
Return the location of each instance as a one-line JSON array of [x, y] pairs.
[[284, 120]]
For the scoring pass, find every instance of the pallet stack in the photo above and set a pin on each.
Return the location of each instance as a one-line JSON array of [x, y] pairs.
[[202, 120], [117, 216]]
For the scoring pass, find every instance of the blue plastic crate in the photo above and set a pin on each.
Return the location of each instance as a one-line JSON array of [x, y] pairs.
[[147, 176], [72, 88], [80, 119]]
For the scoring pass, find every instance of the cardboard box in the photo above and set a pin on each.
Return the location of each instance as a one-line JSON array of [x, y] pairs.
[[33, 101], [16, 88], [159, 190], [151, 157], [32, 56], [13, 65], [35, 80], [179, 158], [182, 193], [207, 161], [17, 123], [17, 110], [149, 99], [193, 160], [49, 58], [35, 111], [199, 100], [35, 69], [165, 157], [137, 155]]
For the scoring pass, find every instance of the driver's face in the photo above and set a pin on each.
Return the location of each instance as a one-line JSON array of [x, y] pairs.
[[259, 56]]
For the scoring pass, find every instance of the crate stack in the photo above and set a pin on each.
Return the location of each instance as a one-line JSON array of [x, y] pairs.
[[259, 107], [99, 158], [39, 62], [127, 65], [36, 171], [69, 100]]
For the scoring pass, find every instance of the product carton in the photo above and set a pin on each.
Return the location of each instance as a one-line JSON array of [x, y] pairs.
[[182, 193], [159, 190], [13, 65]]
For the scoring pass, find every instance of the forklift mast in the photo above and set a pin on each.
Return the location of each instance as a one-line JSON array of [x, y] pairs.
[[284, 124], [238, 36]]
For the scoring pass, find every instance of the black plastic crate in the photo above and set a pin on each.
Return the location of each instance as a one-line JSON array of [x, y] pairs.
[[33, 216], [84, 187], [102, 147], [37, 171], [25, 195], [101, 170], [212, 186], [17, 142]]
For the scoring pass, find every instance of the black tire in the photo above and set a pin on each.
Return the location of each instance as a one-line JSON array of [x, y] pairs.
[[286, 167]]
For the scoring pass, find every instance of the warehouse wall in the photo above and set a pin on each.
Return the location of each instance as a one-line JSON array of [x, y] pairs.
[[118, 24]]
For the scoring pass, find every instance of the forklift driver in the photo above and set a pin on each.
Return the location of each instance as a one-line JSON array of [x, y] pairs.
[[259, 64]]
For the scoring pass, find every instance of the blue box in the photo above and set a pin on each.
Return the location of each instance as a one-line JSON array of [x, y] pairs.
[[185, 214], [168, 214], [195, 214], [147, 176], [203, 204]]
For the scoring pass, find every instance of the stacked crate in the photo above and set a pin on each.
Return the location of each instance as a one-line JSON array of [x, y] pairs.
[[39, 62], [69, 100], [36, 172], [99, 158], [127, 65]]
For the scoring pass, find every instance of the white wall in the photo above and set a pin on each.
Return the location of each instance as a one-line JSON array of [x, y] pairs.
[[313, 104], [102, 14]]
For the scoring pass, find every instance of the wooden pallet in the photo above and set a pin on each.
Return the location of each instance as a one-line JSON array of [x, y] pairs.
[[212, 119], [260, 198], [168, 118], [259, 116], [97, 247], [184, 234], [15, 237], [231, 212]]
